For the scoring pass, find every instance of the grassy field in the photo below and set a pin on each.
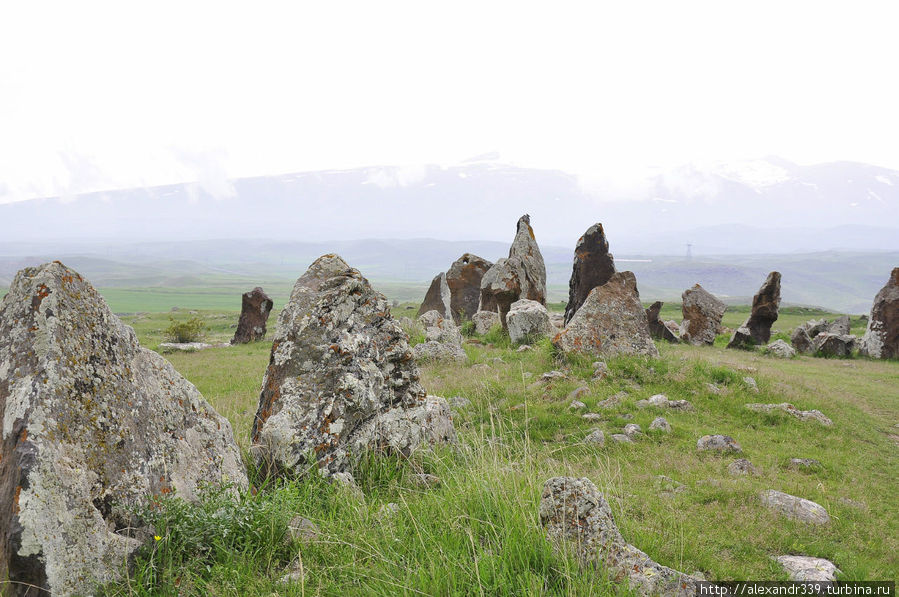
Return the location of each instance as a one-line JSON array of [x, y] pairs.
[[478, 532]]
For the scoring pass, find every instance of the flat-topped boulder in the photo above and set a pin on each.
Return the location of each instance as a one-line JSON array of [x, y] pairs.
[[341, 380], [593, 266], [93, 425], [757, 328], [611, 321], [437, 298], [520, 276], [255, 308], [881, 339], [702, 315], [464, 281], [795, 508]]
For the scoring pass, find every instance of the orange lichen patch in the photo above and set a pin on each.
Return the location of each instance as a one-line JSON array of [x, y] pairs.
[[24, 435], [15, 499], [42, 292]]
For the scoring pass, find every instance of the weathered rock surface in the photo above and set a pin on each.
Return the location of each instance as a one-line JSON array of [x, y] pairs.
[[660, 424], [484, 321], [439, 351], [794, 507], [802, 415], [437, 298], [781, 349], [520, 276], [611, 321], [341, 380], [92, 424], [184, 346], [439, 328], [255, 308], [881, 339], [661, 401], [841, 325], [808, 569], [659, 329], [632, 430], [702, 315], [464, 281], [575, 514], [741, 467], [596, 437], [834, 345], [718, 443], [527, 321], [593, 266], [804, 463], [757, 328]]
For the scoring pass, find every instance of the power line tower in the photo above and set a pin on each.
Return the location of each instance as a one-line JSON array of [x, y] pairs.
[[689, 252]]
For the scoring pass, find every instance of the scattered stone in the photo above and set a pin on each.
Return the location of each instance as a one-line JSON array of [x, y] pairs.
[[521, 275], [302, 529], [794, 507], [661, 401], [593, 266], [757, 328], [781, 349], [611, 321], [600, 370], [626, 416], [714, 389], [437, 298], [881, 339], [464, 281], [578, 392], [425, 480], [577, 516], [592, 416], [577, 405], [553, 375], [596, 437], [702, 315], [255, 308], [439, 328], [802, 415], [853, 503], [741, 467], [528, 321], [484, 321], [834, 345], [341, 380], [621, 438], [439, 351], [750, 383], [719, 443], [93, 425], [613, 400], [808, 569], [632, 430], [459, 402], [660, 424], [183, 346], [668, 486], [524, 348], [804, 463], [659, 329]]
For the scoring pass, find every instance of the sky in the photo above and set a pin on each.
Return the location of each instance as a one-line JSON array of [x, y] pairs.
[[102, 95]]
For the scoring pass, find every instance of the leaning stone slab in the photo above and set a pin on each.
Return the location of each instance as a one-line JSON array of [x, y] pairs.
[[802, 415], [757, 328], [577, 516], [341, 380], [808, 569], [92, 425], [794, 507]]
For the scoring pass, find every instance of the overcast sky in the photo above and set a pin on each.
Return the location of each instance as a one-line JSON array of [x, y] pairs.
[[97, 95]]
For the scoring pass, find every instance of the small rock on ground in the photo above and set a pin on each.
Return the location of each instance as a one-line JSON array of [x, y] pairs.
[[805, 568], [302, 529], [660, 424], [621, 438], [596, 437], [720, 443], [793, 507], [577, 405], [741, 467], [632, 430]]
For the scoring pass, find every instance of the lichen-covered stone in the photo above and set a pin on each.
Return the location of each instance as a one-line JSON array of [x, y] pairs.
[[484, 321], [341, 380], [702, 315], [793, 507], [808, 569], [464, 281], [834, 345], [254, 311], [92, 425], [881, 339], [802, 415], [575, 514], [437, 298], [717, 443], [593, 266], [781, 349], [527, 321], [611, 321]]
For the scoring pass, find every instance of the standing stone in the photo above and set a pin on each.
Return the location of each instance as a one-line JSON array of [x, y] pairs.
[[593, 266], [92, 425], [757, 328], [464, 282], [528, 321], [341, 380], [657, 328], [254, 311], [611, 321], [577, 516], [521, 276], [881, 339], [437, 298], [702, 315]]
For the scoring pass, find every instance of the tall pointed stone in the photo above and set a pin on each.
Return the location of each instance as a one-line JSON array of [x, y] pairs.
[[881, 339], [757, 327], [341, 380], [593, 266], [92, 425], [464, 280], [521, 276], [437, 298]]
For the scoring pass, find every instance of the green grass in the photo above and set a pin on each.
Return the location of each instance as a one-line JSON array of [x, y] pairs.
[[478, 532]]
